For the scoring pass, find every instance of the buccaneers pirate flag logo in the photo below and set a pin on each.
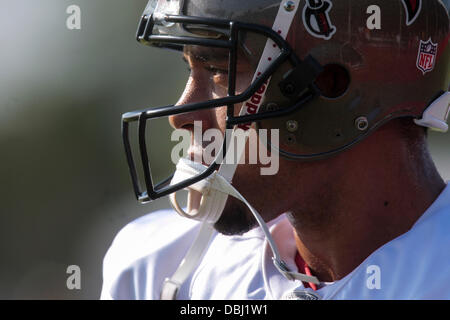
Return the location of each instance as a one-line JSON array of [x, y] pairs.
[[426, 57], [413, 8], [317, 20]]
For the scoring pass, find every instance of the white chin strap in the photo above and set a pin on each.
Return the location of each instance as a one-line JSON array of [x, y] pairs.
[[214, 187], [207, 197], [217, 187]]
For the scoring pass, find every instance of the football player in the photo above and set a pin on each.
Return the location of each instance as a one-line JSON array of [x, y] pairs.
[[356, 209]]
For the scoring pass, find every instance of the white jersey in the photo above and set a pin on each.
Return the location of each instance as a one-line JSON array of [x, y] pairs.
[[415, 265]]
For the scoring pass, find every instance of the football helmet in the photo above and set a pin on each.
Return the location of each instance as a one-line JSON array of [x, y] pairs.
[[337, 76]]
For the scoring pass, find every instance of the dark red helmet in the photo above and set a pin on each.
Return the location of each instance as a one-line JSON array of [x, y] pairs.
[[344, 69]]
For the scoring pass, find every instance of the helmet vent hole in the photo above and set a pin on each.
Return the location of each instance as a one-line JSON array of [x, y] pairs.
[[334, 81]]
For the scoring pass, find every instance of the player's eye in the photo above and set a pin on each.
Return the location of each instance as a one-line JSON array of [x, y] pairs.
[[219, 76], [217, 71]]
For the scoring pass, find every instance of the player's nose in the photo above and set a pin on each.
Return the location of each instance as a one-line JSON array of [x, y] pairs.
[[196, 90]]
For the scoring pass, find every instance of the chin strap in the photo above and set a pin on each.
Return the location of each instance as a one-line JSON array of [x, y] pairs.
[[215, 184], [190, 262], [212, 193]]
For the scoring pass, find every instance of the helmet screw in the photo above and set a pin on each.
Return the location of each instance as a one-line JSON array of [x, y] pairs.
[[292, 126], [290, 139], [289, 6], [362, 123]]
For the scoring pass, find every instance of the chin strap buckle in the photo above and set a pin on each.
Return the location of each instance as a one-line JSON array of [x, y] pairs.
[[283, 268], [288, 274]]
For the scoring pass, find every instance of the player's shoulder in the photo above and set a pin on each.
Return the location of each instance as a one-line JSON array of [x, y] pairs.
[[143, 250], [157, 226], [415, 265]]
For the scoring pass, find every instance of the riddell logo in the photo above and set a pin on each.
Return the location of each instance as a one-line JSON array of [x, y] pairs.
[[252, 106]]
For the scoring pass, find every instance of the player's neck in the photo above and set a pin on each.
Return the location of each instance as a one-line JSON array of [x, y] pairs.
[[374, 205]]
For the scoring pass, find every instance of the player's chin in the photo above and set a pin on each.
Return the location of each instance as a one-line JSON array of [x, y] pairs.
[[236, 218]]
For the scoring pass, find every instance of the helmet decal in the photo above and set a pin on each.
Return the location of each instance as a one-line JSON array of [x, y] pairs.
[[317, 20], [426, 57], [413, 8]]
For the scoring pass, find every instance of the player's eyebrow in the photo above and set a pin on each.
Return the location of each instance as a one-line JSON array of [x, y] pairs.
[[207, 55], [212, 56]]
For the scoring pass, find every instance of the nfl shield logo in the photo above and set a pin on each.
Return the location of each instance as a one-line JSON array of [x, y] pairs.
[[427, 56]]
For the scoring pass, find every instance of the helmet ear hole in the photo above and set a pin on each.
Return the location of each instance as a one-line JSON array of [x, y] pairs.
[[334, 81]]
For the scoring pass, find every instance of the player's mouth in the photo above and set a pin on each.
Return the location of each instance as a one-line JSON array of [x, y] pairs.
[[196, 153]]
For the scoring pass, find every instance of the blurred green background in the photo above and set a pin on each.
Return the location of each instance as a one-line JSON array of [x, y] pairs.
[[65, 189]]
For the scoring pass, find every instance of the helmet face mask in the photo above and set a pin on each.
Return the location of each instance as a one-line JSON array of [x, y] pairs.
[[378, 68], [234, 44]]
